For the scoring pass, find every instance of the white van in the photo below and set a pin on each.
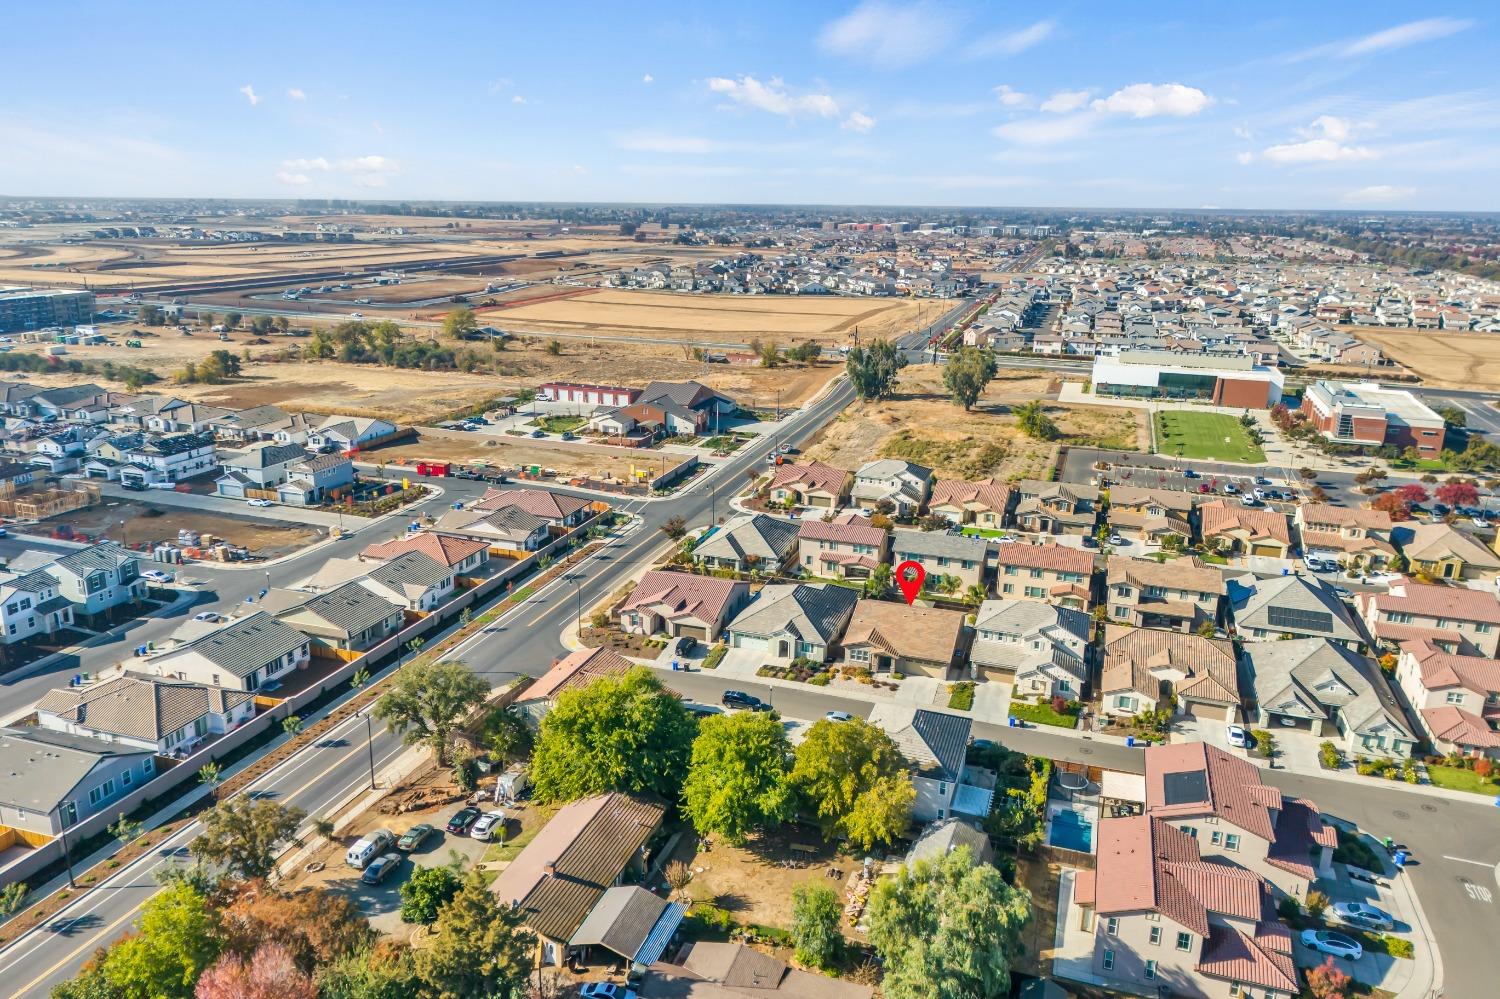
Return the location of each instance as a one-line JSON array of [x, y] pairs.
[[370, 846]]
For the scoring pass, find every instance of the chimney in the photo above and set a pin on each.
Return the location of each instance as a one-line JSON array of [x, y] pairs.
[[550, 870]]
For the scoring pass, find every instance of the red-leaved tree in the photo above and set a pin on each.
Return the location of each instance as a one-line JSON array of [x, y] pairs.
[[1457, 494], [1326, 981], [1412, 492], [270, 973], [1392, 504]]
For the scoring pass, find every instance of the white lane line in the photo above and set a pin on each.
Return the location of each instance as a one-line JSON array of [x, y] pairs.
[[1466, 860]]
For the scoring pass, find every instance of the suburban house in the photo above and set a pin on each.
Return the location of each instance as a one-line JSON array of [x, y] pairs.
[[985, 504], [1143, 667], [708, 970], [261, 465], [97, 578], [750, 542], [657, 418], [630, 923], [245, 654], [810, 484], [1049, 572], [174, 458], [1330, 692], [247, 424], [192, 417], [315, 479], [694, 396], [462, 555], [509, 528], [588, 847], [348, 433], [1182, 594], [936, 745], [903, 484], [794, 621], [1232, 529], [1354, 536], [1151, 515], [1220, 800], [572, 672], [1056, 507], [51, 781], [31, 604], [348, 618], [1299, 606], [144, 712], [558, 509], [1457, 620], [682, 604], [1165, 917], [415, 580], [941, 838], [1442, 551], [1456, 698], [1041, 648], [941, 554], [582, 394], [886, 636], [845, 549]]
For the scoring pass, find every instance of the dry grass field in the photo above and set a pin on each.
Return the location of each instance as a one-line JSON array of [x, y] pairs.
[[1440, 358], [923, 425], [566, 459], [737, 318]]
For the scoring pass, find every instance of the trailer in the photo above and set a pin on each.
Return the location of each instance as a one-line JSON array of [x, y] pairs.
[[437, 469]]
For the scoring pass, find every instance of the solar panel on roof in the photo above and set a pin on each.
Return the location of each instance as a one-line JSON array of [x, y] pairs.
[[1185, 788], [1297, 619]]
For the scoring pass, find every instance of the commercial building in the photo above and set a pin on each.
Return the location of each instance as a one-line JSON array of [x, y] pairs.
[[36, 308], [1365, 413], [1224, 380]]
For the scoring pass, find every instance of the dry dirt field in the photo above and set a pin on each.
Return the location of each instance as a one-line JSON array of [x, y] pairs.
[[737, 318], [1440, 358], [269, 538], [923, 425], [567, 459]]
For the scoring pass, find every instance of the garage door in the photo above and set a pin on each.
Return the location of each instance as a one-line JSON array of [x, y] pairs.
[[1265, 550], [1290, 722], [746, 642], [691, 632]]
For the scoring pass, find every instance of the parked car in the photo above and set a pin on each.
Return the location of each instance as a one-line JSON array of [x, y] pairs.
[[685, 646], [740, 699], [414, 837], [209, 617], [4, 533], [1230, 489], [488, 825], [368, 847], [605, 990], [1237, 736], [150, 575], [1364, 916], [539, 433], [381, 868], [1188, 473], [1117, 540], [837, 716], [1261, 480], [462, 820], [261, 502], [1329, 942]]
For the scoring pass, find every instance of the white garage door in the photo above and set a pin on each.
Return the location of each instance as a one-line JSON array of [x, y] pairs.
[[740, 641]]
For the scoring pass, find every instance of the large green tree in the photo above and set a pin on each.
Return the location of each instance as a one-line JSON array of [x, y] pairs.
[[426, 701], [425, 893], [815, 924], [244, 834], [738, 780], [460, 323], [176, 941], [478, 948], [1034, 422], [967, 373], [948, 929], [625, 734], [386, 971], [849, 773], [872, 369]]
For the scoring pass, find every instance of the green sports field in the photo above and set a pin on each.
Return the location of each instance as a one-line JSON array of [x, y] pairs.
[[1186, 434]]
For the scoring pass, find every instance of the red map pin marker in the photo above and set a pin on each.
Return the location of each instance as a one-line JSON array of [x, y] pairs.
[[909, 576]]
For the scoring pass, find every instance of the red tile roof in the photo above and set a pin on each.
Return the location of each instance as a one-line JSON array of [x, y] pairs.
[[541, 502], [1221, 516], [577, 669], [1452, 724], [1432, 600], [844, 534], [1442, 669], [1054, 557], [1233, 786], [684, 594], [991, 493], [1256, 960], [812, 474], [440, 547]]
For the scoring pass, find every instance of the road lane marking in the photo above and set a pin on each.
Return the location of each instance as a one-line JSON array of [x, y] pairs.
[[1466, 860], [1479, 893]]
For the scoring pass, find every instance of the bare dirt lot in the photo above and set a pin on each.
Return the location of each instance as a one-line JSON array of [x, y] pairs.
[[923, 425], [1441, 358], [144, 523], [567, 459], [722, 318]]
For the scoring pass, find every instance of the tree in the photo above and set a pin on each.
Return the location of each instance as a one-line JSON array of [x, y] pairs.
[[1457, 493], [164, 958], [269, 973], [13, 898], [815, 924], [616, 734], [947, 928], [232, 320], [872, 370], [554, 347], [478, 947], [770, 355], [839, 771], [674, 527], [282, 324], [1413, 493], [385, 971], [243, 834], [426, 700], [1034, 422], [1316, 904], [1454, 417], [207, 319], [1307, 474], [1392, 505], [125, 829], [967, 373], [878, 583], [882, 813], [427, 891], [737, 781], [1326, 981], [504, 732], [315, 926], [460, 323]]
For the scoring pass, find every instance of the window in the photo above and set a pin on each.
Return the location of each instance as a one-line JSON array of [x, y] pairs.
[[1153, 917], [1007, 588], [1150, 970], [1484, 628], [1155, 935], [1190, 830], [1455, 697], [1036, 573], [1010, 570], [1109, 960], [1125, 703], [125, 779], [1235, 990], [1184, 941], [147, 766], [859, 655], [1217, 839], [1112, 925], [1232, 841]]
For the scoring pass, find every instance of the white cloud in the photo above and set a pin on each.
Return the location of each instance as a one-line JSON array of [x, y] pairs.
[[1324, 141], [889, 34], [1035, 156], [1243, 158], [1379, 193], [1046, 131], [370, 180], [858, 121], [1406, 34], [656, 142], [1148, 100], [518, 99], [504, 83], [293, 179], [1010, 97], [250, 94], [303, 165], [1328, 127], [369, 164], [772, 96], [648, 78], [580, 169], [296, 94], [1010, 43], [1066, 100]]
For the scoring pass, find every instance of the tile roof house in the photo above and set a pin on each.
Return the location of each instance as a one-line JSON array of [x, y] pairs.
[[1232, 529], [1041, 648], [1330, 692], [462, 555], [1150, 515], [936, 744], [50, 781], [887, 636], [1220, 799], [1442, 551], [1300, 606], [985, 504], [846, 549], [572, 672], [682, 603], [942, 554], [1142, 666], [145, 712], [414, 580], [243, 654], [1182, 593], [348, 618], [1456, 697], [558, 508], [903, 484], [586, 848], [810, 484], [1056, 507], [1455, 619], [508, 529], [751, 541], [1163, 916], [1355, 536], [791, 621], [1048, 572], [706, 970]]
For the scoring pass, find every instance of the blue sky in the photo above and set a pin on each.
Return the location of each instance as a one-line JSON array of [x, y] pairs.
[[1307, 105]]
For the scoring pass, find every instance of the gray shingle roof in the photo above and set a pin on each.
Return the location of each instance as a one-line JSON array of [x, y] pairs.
[[40, 768], [937, 544], [351, 608], [249, 644], [102, 556], [412, 569], [139, 707], [769, 539], [811, 611]]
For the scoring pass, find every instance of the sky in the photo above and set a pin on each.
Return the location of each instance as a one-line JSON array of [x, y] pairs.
[[1307, 105]]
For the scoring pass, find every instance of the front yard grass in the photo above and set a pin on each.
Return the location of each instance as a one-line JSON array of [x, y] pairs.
[[1459, 779], [1042, 714], [560, 424], [1188, 434], [1353, 850]]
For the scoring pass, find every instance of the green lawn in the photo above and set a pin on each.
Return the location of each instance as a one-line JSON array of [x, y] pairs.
[[1188, 434], [983, 532], [1042, 714], [1458, 779], [560, 424]]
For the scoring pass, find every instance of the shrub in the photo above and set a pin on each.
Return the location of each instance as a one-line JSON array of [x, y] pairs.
[[715, 656], [1483, 768], [819, 679], [1059, 703], [1329, 756], [1317, 904], [1398, 947]]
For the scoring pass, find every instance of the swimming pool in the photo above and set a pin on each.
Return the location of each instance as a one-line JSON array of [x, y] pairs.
[[1071, 830]]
